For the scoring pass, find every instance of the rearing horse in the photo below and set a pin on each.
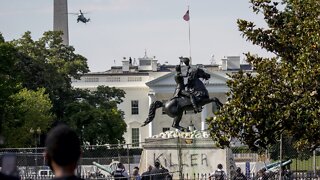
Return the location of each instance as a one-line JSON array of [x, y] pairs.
[[176, 106]]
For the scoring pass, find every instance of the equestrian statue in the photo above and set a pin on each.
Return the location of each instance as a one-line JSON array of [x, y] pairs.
[[191, 96]]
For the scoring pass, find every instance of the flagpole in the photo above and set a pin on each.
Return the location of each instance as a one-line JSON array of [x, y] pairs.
[[189, 39]]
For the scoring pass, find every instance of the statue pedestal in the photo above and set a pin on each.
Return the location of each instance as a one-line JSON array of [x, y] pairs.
[[186, 154]]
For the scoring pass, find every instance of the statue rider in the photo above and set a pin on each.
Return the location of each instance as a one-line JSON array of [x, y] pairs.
[[180, 88]]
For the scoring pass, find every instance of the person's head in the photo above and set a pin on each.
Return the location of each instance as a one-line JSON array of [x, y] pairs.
[[149, 168], [238, 170], [62, 148], [120, 165], [261, 172], [157, 164], [135, 172], [220, 166]]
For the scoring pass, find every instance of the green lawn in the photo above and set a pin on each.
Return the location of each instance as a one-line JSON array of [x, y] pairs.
[[305, 165]]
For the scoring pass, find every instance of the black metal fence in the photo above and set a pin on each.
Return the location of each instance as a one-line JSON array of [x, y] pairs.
[[32, 165]]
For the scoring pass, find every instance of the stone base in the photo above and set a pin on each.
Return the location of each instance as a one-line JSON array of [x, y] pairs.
[[184, 155]]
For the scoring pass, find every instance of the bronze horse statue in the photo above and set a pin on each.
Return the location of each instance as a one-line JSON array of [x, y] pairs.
[[176, 106]]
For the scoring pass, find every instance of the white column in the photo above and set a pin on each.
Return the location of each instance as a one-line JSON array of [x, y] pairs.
[[204, 115], [151, 96]]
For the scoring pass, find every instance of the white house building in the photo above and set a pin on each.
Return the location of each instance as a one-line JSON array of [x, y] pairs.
[[149, 81]]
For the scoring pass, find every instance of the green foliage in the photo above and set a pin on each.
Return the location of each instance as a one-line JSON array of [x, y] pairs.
[[34, 73], [51, 65], [288, 151], [30, 110], [8, 82], [9, 75], [96, 117], [1, 38], [282, 97]]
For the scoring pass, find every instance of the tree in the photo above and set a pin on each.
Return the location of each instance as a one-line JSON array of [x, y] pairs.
[[9, 75], [288, 151], [282, 97], [50, 64], [30, 110], [96, 117]]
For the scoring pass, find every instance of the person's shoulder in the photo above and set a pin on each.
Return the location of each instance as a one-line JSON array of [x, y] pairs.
[[164, 170], [125, 173], [145, 173], [6, 177], [218, 171], [153, 170]]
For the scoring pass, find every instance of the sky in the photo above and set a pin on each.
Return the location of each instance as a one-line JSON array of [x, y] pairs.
[[129, 28]]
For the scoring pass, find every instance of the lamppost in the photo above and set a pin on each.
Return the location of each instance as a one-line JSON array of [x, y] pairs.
[[36, 134]]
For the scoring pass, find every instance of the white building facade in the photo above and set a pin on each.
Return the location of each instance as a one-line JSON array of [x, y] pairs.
[[150, 81]]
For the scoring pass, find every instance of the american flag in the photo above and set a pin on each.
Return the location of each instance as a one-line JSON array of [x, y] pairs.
[[186, 16]]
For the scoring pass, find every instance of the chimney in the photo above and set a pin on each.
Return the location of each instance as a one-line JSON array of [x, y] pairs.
[[233, 62], [154, 65], [125, 65], [224, 64]]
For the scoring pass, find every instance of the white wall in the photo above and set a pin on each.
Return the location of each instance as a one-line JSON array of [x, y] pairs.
[[135, 120]]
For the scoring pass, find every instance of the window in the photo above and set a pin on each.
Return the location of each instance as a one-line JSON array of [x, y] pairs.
[[135, 137], [134, 79], [91, 79], [135, 107], [145, 62], [165, 129], [112, 79]]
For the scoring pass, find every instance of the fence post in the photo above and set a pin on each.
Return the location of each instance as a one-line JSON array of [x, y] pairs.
[[128, 153], [36, 160], [314, 163], [280, 168], [118, 147], [180, 158]]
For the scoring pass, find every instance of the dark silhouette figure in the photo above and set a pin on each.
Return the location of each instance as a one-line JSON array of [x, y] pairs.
[[63, 152], [262, 175], [120, 172], [158, 172], [7, 177], [219, 174], [239, 175], [146, 175], [287, 174]]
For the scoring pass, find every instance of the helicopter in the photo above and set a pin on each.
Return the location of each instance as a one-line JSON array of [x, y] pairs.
[[81, 17]]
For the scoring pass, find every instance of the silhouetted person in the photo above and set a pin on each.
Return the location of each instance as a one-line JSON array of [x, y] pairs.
[[287, 174], [219, 174], [262, 175], [158, 173], [120, 172], [7, 177], [239, 175], [63, 152], [146, 175], [135, 174]]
